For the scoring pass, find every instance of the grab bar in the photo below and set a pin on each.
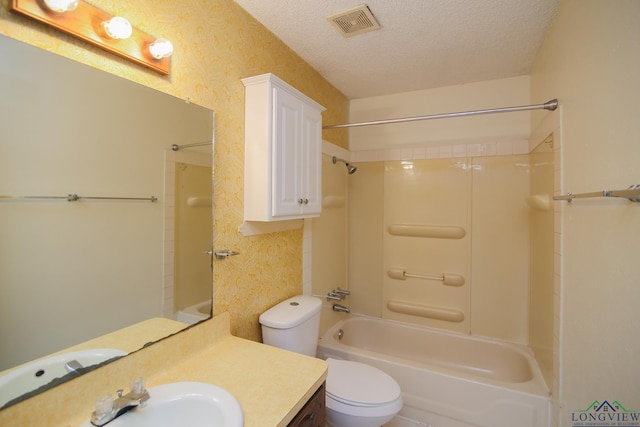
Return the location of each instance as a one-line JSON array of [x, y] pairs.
[[445, 278]]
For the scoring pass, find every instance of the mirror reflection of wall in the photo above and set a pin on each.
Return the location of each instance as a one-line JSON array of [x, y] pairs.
[[70, 271]]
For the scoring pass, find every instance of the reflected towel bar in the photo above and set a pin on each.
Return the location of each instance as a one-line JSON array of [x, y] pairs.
[[445, 278], [75, 198], [176, 147], [632, 193]]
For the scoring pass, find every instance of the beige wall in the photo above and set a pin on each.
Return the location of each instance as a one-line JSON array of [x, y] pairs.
[[590, 61], [216, 44]]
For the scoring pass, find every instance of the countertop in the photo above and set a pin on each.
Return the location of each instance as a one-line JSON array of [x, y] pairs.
[[271, 384]]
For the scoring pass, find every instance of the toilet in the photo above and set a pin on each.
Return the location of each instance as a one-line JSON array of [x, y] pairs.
[[358, 395]]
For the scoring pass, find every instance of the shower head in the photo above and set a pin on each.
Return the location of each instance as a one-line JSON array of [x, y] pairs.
[[350, 168]]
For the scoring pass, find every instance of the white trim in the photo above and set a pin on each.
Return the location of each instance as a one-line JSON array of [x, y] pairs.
[[333, 150]]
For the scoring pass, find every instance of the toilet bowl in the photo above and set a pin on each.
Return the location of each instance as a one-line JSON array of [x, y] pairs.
[[360, 395], [357, 395]]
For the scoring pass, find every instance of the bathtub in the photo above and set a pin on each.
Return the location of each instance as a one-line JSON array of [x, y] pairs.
[[447, 379], [195, 313]]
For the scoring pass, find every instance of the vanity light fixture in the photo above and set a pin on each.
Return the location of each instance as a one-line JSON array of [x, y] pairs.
[[118, 28], [112, 33], [61, 6], [161, 48]]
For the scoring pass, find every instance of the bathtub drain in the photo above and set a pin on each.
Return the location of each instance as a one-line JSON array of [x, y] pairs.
[[340, 334]]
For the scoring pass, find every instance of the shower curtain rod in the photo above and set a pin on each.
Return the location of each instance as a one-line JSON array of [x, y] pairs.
[[176, 147], [549, 105]]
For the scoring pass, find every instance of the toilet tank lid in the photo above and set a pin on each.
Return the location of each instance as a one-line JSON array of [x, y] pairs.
[[291, 312]]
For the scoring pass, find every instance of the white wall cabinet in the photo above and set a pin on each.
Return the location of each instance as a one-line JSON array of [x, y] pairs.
[[283, 149]]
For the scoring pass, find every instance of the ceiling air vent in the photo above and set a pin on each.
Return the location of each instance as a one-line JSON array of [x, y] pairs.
[[354, 21]]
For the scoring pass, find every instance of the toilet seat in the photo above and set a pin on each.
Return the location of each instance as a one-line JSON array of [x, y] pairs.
[[360, 385]]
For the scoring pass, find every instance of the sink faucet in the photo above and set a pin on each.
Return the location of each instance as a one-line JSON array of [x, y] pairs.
[[108, 409], [73, 366]]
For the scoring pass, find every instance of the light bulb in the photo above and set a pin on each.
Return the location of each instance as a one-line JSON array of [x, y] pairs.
[[161, 48], [61, 6], [118, 28]]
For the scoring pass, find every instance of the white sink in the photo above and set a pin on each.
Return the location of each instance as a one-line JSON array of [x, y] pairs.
[[192, 404], [40, 372]]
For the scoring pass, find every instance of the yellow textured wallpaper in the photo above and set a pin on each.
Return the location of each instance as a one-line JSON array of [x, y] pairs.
[[216, 44]]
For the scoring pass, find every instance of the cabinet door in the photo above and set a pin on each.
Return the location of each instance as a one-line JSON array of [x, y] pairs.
[[313, 414], [311, 161], [287, 190]]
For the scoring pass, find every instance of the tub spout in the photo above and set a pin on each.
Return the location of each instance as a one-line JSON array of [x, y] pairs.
[[340, 308]]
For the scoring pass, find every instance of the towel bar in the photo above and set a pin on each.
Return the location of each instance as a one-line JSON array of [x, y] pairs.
[[445, 278], [632, 193]]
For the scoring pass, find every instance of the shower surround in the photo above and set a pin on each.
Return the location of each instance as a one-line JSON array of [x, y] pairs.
[[483, 199]]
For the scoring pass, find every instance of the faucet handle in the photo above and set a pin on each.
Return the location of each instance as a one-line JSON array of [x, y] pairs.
[[138, 391], [334, 296], [138, 385], [341, 292], [104, 409]]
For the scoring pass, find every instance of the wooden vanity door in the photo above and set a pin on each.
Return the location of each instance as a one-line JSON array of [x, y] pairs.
[[313, 412]]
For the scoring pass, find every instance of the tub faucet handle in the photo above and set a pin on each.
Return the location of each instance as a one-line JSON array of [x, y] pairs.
[[334, 296], [341, 292]]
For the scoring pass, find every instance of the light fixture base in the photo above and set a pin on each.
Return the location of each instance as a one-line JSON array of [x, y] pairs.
[[85, 23]]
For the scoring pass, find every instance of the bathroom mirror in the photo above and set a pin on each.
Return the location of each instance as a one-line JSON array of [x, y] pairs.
[[74, 270]]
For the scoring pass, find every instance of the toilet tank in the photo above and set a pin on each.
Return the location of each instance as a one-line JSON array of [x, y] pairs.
[[293, 324]]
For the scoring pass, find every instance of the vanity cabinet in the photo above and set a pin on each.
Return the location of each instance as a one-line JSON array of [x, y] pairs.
[[283, 149], [313, 412]]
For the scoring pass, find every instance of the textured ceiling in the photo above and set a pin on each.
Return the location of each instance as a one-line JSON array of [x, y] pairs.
[[422, 44]]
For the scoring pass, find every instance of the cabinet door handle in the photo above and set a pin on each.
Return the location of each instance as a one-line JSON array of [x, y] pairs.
[[300, 201], [309, 421], [306, 201]]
